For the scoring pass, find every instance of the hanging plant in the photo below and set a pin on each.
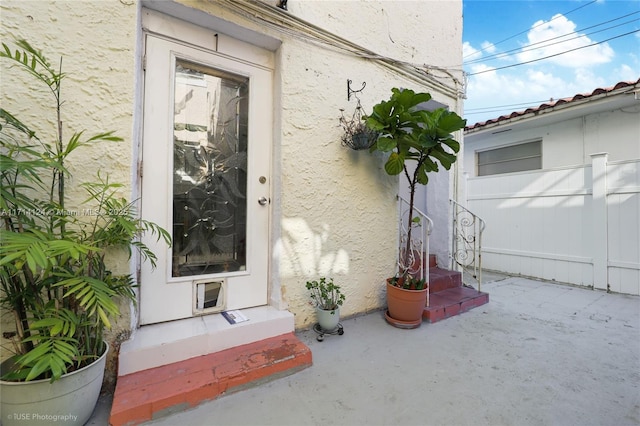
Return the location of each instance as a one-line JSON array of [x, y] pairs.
[[357, 135]]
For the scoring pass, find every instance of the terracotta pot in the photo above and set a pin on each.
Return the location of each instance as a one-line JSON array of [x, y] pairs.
[[406, 305]]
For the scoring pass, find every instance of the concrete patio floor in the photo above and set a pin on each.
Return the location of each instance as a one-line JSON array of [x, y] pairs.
[[538, 354]]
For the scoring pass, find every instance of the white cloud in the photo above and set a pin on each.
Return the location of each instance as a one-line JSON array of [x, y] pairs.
[[627, 73], [492, 91], [542, 84], [543, 42], [483, 69], [488, 47], [469, 52], [516, 91], [585, 81]]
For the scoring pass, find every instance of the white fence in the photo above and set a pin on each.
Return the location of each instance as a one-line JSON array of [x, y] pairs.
[[578, 225]]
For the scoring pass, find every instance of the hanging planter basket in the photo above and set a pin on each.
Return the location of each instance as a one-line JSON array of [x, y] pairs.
[[357, 135], [359, 141]]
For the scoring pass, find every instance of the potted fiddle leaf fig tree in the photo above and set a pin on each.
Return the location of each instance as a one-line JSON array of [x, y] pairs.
[[54, 258], [425, 138]]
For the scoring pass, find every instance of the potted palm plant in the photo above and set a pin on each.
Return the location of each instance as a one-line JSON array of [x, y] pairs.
[[409, 133], [327, 298], [54, 269]]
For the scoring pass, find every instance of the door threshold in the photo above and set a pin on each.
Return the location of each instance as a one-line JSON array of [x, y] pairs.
[[161, 344]]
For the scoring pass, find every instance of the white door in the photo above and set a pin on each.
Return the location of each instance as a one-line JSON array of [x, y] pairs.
[[206, 156]]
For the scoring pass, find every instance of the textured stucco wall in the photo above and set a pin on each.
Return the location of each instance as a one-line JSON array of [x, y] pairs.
[[333, 209], [338, 207], [96, 41], [420, 32], [338, 210]]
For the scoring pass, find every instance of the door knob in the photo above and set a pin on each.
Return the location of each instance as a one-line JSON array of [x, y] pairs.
[[262, 201]]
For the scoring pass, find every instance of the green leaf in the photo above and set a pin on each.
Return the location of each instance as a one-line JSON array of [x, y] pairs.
[[445, 158], [42, 365], [374, 124], [421, 174], [36, 353], [395, 164], [451, 122], [452, 143], [386, 144], [104, 318], [56, 366]]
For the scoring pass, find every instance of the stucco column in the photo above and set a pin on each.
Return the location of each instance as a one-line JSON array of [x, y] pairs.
[[599, 212]]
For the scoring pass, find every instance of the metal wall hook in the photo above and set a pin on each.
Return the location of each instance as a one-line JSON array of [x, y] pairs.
[[350, 91]]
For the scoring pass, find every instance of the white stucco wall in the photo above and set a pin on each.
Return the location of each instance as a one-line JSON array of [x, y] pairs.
[[419, 31], [333, 210], [98, 91], [338, 209], [99, 87]]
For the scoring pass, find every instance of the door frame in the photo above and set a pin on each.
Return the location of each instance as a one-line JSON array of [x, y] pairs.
[[184, 33]]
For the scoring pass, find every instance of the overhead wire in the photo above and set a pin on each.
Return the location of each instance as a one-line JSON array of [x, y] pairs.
[[535, 26], [501, 107], [426, 70], [554, 55], [546, 44]]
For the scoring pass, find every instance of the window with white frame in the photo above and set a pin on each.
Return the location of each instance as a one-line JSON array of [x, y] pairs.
[[508, 159]]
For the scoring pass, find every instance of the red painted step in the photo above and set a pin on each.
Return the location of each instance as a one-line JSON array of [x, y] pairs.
[[152, 393], [447, 295], [453, 301], [443, 279]]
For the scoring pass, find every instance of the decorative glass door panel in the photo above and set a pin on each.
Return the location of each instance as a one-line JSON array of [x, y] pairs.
[[210, 171], [206, 164]]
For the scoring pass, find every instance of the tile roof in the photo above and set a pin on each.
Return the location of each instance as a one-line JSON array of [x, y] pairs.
[[552, 104]]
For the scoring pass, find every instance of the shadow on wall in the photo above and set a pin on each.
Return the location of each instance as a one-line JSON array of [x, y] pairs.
[[303, 252]]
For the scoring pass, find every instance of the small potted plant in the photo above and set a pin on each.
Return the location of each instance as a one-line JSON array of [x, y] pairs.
[[357, 135], [327, 298], [408, 133]]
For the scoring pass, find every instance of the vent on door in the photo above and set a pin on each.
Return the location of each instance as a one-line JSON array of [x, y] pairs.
[[209, 297]]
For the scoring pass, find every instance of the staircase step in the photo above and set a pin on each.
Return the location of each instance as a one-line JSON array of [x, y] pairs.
[[453, 301], [442, 279], [156, 345], [159, 391]]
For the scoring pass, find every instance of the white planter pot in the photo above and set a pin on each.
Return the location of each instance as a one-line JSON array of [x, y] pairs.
[[328, 320], [69, 400]]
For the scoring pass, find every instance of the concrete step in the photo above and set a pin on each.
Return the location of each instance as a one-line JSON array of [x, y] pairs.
[[453, 301], [156, 392], [166, 343]]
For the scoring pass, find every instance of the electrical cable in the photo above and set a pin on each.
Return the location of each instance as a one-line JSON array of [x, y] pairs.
[[551, 56], [501, 107], [527, 48], [341, 47], [535, 26]]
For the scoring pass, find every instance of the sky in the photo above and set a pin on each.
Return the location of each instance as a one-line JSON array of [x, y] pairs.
[[501, 34]]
